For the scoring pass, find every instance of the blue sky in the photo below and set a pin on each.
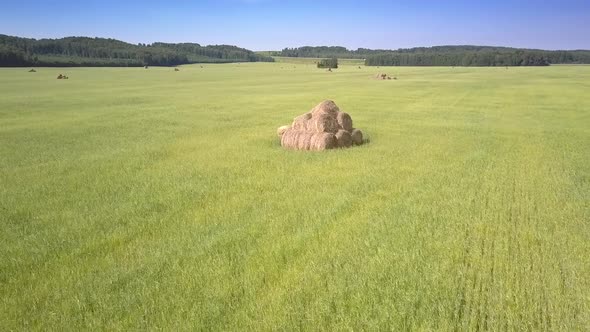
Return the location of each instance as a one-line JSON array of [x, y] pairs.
[[275, 24]]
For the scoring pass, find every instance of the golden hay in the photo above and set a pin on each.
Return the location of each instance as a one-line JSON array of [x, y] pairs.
[[324, 127], [357, 136], [324, 122], [305, 140], [345, 121], [282, 130], [344, 139], [302, 122], [323, 141], [289, 138], [326, 106]]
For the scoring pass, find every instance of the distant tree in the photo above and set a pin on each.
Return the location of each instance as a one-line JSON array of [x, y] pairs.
[[330, 63]]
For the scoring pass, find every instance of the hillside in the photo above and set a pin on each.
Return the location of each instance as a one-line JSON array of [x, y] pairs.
[[84, 51]]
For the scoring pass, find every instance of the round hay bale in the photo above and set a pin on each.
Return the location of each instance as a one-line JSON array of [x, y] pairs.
[[326, 106], [357, 136], [344, 139], [282, 130], [304, 141], [302, 122], [324, 123], [323, 141], [344, 121], [290, 138]]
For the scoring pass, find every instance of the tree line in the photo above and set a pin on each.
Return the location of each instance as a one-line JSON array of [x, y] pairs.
[[84, 51], [465, 55]]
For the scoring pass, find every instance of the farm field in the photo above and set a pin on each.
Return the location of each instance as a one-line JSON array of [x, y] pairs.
[[153, 199]]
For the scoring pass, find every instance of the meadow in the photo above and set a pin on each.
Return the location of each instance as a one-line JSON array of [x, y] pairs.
[[135, 199]]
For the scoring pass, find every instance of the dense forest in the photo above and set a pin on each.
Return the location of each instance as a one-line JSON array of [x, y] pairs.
[[445, 56], [83, 51]]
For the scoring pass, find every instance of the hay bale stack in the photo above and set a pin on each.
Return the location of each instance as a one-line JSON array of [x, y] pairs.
[[324, 127]]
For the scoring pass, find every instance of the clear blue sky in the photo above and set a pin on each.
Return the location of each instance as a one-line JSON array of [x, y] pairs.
[[275, 24]]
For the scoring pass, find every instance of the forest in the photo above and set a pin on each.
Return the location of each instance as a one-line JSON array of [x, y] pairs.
[[88, 52], [465, 55]]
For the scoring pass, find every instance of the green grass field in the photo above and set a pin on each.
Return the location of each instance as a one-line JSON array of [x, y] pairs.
[[135, 199]]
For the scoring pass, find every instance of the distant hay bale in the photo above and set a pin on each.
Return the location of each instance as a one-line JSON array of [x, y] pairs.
[[324, 127], [382, 76], [344, 139], [344, 121], [357, 136], [282, 130]]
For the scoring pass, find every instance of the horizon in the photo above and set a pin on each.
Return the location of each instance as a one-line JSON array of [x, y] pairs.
[[272, 25]]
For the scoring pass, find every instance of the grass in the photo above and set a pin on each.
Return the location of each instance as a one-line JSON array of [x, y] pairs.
[[136, 199]]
